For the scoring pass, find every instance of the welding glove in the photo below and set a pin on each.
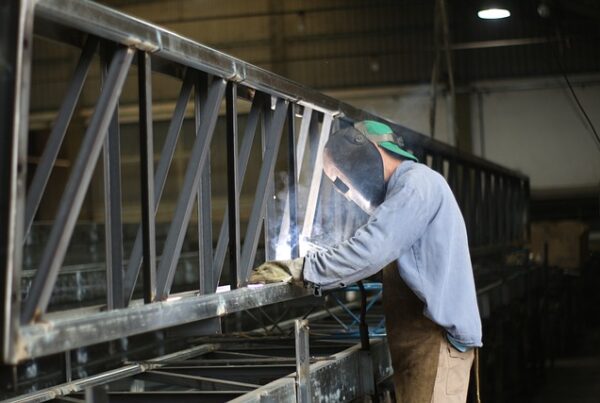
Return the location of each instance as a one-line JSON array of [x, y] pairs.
[[288, 271]]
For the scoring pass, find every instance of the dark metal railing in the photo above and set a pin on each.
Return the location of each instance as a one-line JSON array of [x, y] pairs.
[[493, 199]]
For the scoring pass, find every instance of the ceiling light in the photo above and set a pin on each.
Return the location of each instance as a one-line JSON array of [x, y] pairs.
[[493, 13]]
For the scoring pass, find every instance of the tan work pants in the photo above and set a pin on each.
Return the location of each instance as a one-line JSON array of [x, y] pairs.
[[426, 368], [452, 378]]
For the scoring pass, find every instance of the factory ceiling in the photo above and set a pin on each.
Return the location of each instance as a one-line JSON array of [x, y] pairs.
[[333, 44], [336, 43]]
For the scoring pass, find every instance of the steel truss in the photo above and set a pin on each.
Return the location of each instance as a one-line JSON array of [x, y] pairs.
[[493, 199], [251, 367], [278, 362]]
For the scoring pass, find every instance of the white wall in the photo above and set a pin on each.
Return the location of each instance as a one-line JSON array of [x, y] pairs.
[[532, 125], [535, 126], [408, 106]]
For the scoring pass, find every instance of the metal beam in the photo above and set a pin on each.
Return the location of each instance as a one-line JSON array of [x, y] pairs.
[[162, 169], [325, 378], [113, 218], [16, 41], [178, 56], [102, 21], [239, 373], [289, 231], [291, 206], [193, 381], [206, 273], [258, 207], [269, 207], [174, 396], [66, 332], [243, 159], [315, 182], [233, 187], [111, 376], [55, 139], [191, 181], [302, 361], [147, 176], [70, 205]]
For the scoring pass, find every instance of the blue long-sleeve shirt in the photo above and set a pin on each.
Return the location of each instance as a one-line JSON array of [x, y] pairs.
[[420, 226]]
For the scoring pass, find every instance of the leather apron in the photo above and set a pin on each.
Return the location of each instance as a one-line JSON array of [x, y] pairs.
[[414, 340]]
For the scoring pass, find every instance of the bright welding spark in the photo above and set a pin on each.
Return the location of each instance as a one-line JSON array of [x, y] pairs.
[[283, 250]]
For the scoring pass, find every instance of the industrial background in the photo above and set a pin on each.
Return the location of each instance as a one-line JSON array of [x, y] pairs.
[[521, 92]]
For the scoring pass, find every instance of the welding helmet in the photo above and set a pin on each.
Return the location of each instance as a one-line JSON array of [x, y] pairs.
[[355, 167], [353, 163]]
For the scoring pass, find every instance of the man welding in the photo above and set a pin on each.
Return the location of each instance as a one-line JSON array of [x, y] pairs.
[[417, 235]]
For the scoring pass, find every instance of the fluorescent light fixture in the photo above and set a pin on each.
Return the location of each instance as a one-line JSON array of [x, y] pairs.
[[493, 13]]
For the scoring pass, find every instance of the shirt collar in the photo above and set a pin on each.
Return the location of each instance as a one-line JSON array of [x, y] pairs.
[[399, 171]]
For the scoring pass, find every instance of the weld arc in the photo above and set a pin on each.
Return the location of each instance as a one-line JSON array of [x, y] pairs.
[[256, 215]]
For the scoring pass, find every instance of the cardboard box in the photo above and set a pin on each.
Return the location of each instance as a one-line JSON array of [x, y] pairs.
[[567, 243]]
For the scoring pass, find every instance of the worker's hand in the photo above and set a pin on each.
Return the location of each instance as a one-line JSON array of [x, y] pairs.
[[289, 271]]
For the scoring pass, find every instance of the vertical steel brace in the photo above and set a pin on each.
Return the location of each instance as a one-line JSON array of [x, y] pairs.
[[206, 274], [303, 387], [273, 137], [57, 135], [243, 159], [113, 221], [191, 181], [16, 41], [147, 177], [162, 169], [233, 201]]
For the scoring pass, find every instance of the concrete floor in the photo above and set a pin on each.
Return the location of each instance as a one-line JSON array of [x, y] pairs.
[[576, 378]]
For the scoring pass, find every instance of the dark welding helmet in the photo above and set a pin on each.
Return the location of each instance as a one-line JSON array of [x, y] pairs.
[[355, 167]]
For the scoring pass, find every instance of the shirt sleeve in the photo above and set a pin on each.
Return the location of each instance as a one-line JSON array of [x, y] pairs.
[[393, 228]]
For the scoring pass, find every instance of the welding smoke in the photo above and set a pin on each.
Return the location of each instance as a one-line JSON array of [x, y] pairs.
[[336, 219]]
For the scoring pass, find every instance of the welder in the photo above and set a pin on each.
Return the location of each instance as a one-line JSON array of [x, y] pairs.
[[415, 234]]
